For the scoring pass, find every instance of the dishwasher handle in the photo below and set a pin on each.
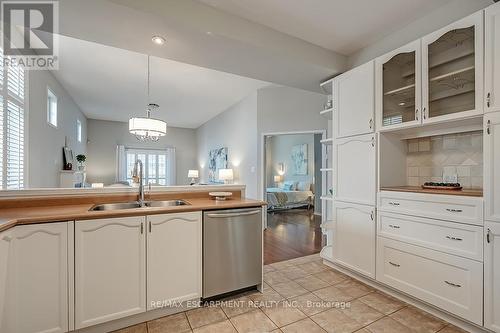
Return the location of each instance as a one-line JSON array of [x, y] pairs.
[[233, 214]]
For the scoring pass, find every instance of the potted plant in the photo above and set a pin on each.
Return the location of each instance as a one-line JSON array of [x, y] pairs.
[[81, 159]]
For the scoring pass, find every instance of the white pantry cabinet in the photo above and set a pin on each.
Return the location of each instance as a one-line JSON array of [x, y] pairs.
[[36, 294], [354, 237], [492, 58], [355, 169], [452, 71], [354, 101], [398, 82], [174, 258], [110, 269], [492, 166], [492, 276]]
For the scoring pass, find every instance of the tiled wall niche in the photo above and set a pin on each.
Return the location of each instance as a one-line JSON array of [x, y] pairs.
[[428, 158]]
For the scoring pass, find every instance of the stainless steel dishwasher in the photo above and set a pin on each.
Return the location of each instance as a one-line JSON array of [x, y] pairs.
[[232, 250]]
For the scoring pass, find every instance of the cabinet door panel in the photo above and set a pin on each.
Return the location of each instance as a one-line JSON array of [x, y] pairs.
[[354, 237], [492, 277], [355, 169], [110, 269], [398, 87], [452, 71], [5, 241], [492, 167], [37, 279], [355, 101], [174, 258], [492, 58]]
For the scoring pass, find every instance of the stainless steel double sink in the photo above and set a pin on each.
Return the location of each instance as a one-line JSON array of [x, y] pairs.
[[136, 204]]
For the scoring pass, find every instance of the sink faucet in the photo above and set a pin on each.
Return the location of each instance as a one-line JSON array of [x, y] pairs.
[[139, 174]]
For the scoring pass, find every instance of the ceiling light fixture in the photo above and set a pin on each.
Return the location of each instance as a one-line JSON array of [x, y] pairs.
[[158, 40], [402, 104], [147, 128]]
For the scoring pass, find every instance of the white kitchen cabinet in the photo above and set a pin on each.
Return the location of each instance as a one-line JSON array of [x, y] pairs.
[[5, 241], [492, 166], [355, 169], [398, 80], [452, 71], [354, 237], [110, 269], [36, 294], [354, 101], [492, 276], [174, 258], [492, 58]]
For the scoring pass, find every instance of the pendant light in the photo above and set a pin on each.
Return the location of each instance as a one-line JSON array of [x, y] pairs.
[[147, 128]]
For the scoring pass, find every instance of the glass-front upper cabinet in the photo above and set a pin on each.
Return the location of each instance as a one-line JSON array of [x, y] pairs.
[[452, 71], [398, 87]]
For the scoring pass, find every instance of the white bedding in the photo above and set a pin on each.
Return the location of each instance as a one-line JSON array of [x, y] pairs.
[[294, 198]]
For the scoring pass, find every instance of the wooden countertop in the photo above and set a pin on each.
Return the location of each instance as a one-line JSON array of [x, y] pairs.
[[418, 189], [10, 217]]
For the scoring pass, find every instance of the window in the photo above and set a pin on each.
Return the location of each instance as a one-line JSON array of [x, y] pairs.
[[78, 130], [12, 161], [156, 163], [51, 108]]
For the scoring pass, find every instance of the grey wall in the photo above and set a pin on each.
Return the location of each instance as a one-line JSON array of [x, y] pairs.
[[236, 129], [452, 11], [45, 142], [104, 136]]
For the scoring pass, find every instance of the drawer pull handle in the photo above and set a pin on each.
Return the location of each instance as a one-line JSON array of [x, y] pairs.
[[394, 226], [453, 284], [454, 238], [394, 203], [454, 210], [393, 264]]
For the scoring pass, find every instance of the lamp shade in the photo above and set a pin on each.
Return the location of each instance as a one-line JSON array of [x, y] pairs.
[[226, 174], [193, 174], [147, 127], [277, 179]]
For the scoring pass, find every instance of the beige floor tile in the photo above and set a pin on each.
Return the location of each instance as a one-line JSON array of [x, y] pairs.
[[335, 321], [354, 288], [282, 265], [303, 326], [294, 272], [331, 276], [362, 331], [382, 302], [418, 320], [362, 313], [205, 315], [220, 327], [176, 323], [140, 328], [290, 289], [332, 294], [387, 325], [283, 314], [310, 304], [276, 277], [312, 283], [313, 267], [268, 268], [268, 295], [237, 306], [452, 329], [253, 321]]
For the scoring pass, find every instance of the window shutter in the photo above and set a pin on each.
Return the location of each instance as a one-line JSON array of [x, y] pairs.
[[15, 146], [15, 82]]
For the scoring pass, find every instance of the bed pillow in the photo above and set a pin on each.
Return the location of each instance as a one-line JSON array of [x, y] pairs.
[[288, 186], [304, 186]]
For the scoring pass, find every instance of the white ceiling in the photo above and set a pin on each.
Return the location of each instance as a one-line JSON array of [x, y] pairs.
[[343, 26], [109, 83]]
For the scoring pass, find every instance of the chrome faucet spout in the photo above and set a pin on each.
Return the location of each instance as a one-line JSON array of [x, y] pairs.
[[138, 165]]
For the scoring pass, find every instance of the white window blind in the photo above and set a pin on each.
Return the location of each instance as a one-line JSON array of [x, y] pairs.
[[159, 165], [51, 108], [12, 159]]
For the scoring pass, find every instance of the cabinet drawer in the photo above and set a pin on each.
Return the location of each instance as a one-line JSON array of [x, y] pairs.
[[443, 207], [448, 282], [450, 237]]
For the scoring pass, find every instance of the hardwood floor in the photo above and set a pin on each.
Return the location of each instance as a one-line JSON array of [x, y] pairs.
[[291, 234]]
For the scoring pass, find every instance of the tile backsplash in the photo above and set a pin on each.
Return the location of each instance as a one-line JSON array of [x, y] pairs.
[[428, 159]]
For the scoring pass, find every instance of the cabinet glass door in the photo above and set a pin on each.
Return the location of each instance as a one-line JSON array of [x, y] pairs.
[[453, 70], [399, 89]]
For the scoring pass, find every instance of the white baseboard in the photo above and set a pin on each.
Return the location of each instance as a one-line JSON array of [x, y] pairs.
[[465, 325]]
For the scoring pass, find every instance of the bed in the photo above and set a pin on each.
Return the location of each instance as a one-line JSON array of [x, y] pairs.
[[279, 198]]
